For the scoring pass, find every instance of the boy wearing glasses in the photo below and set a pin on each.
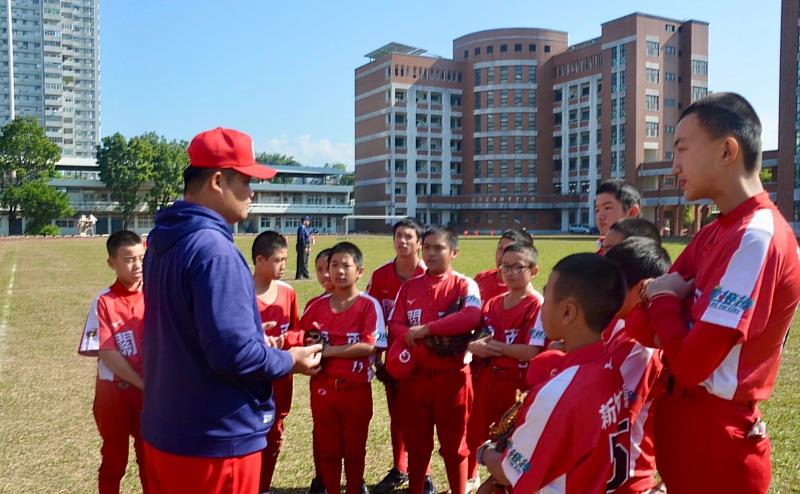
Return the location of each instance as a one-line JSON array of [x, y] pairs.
[[511, 343]]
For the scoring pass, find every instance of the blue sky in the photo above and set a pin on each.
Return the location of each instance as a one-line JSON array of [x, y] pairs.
[[283, 71]]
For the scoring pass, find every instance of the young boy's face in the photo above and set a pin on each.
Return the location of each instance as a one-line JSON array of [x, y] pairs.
[[437, 253], [344, 271], [607, 211], [406, 242], [274, 266], [501, 246], [322, 273], [695, 158], [127, 263], [517, 270]]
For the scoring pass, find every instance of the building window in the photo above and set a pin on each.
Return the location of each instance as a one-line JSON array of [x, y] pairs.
[[489, 99], [670, 103], [669, 129], [532, 74], [466, 53], [699, 92], [477, 51], [477, 77], [478, 100], [518, 72], [699, 67], [503, 98], [652, 48], [518, 97], [503, 75], [489, 75], [652, 76], [651, 102], [547, 48], [503, 121], [489, 50], [518, 47], [532, 47], [669, 50], [490, 121], [518, 121], [670, 76], [670, 28], [503, 48], [651, 129]]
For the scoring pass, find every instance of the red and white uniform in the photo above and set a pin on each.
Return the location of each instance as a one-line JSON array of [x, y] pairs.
[[490, 284], [746, 272], [383, 286], [439, 392], [282, 311], [115, 323], [641, 370], [569, 426], [499, 378], [341, 394]]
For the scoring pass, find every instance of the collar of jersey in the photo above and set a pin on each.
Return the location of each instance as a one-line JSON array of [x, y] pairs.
[[758, 201]]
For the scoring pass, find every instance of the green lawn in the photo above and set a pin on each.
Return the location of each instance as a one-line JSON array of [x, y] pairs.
[[48, 441]]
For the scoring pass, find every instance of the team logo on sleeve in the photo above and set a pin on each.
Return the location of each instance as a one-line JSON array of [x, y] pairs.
[[729, 301], [517, 460]]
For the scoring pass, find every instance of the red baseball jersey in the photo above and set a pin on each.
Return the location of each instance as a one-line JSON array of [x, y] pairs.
[[115, 322], [513, 326], [385, 283], [314, 299], [449, 304], [362, 322], [641, 370], [568, 428], [490, 284], [746, 270], [284, 312]]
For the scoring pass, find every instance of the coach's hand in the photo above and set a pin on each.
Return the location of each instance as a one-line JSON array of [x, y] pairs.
[[482, 348], [416, 333], [306, 359], [668, 284]]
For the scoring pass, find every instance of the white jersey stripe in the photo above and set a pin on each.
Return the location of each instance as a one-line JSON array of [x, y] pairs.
[[724, 380], [381, 335], [742, 273], [637, 434], [634, 365], [526, 438], [90, 338], [558, 486]]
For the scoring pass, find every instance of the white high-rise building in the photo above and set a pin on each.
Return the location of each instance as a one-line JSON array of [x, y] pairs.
[[56, 69]]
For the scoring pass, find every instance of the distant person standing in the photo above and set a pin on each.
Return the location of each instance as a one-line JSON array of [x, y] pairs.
[[304, 241]]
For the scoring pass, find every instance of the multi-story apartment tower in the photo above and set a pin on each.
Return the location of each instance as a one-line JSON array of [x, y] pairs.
[[541, 122], [789, 115], [56, 70]]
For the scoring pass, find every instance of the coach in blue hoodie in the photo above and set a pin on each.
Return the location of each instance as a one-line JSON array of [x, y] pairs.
[[207, 368]]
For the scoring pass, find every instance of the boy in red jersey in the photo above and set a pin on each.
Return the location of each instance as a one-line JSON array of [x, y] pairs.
[[615, 200], [113, 332], [723, 314], [383, 285], [490, 282], [511, 343], [639, 258], [277, 305], [341, 395], [441, 304], [569, 425]]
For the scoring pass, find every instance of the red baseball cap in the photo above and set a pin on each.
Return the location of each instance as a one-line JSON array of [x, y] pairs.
[[400, 360], [227, 148]]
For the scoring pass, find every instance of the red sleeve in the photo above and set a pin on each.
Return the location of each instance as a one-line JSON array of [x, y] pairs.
[[463, 321], [294, 337], [691, 355], [638, 327], [398, 320], [107, 341], [543, 366]]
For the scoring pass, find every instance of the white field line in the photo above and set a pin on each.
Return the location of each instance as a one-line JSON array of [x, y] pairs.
[[6, 310]]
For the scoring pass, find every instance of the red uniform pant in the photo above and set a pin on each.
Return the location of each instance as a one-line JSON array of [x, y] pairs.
[[441, 399], [702, 444], [342, 409], [399, 453], [176, 474], [282, 395], [495, 392], [117, 407]]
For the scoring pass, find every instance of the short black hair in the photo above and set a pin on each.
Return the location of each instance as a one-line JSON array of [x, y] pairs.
[[267, 243], [195, 176], [625, 193], [596, 284], [408, 223], [517, 235], [347, 248], [729, 114], [122, 238], [637, 227], [323, 253], [528, 250], [441, 230], [639, 258]]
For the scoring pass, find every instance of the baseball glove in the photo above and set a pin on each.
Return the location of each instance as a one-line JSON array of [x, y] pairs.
[[446, 346], [383, 376], [500, 432], [314, 337]]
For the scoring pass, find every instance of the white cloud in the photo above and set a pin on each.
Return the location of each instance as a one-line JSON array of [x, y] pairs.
[[309, 151]]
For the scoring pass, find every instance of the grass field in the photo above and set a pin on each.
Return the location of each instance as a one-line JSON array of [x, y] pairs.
[[48, 440]]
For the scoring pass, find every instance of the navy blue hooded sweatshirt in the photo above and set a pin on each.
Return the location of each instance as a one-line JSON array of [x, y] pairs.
[[207, 369]]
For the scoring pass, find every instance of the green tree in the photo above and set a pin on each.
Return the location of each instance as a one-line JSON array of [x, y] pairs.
[[26, 155], [126, 166], [42, 204], [348, 178], [170, 159], [277, 159]]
